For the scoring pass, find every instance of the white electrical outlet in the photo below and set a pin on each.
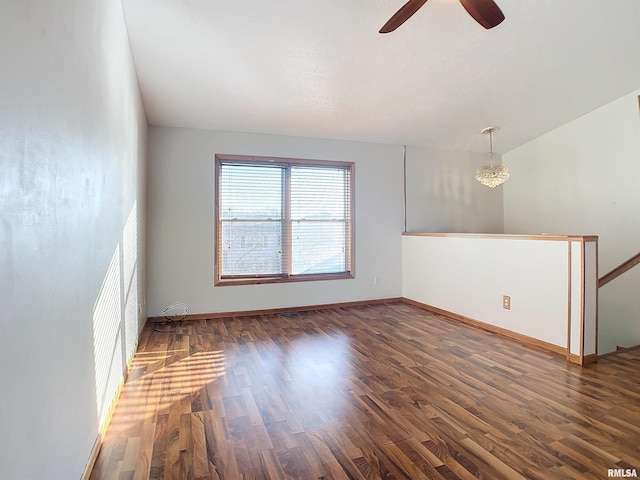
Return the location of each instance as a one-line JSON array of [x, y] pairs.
[[376, 280]]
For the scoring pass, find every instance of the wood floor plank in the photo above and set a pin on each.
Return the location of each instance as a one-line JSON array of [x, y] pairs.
[[198, 445], [407, 455], [320, 467], [222, 462], [386, 391], [145, 452]]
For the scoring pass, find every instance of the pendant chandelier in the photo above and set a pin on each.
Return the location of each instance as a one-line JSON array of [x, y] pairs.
[[491, 175]]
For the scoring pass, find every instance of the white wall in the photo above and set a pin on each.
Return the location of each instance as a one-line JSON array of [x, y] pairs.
[[469, 276], [583, 178], [181, 221], [551, 283], [72, 149], [444, 196]]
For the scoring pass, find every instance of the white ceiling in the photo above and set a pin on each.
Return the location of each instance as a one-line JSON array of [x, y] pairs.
[[319, 68]]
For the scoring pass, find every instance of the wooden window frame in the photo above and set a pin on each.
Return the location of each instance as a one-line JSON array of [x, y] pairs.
[[285, 277]]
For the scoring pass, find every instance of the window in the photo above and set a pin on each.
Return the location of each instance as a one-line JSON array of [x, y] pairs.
[[280, 220]]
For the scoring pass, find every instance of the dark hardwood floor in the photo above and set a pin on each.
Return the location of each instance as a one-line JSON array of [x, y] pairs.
[[374, 392]]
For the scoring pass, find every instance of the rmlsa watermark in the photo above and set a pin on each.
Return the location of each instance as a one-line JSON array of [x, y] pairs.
[[622, 473]]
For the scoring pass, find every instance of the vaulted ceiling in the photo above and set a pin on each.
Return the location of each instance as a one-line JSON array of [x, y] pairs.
[[319, 68]]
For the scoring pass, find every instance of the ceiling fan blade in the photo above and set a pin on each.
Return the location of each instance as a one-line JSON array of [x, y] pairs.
[[485, 12], [402, 15]]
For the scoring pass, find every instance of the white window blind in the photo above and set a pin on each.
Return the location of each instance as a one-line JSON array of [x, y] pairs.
[[283, 219]]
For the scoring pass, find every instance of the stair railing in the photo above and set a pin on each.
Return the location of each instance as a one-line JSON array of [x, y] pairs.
[[619, 270]]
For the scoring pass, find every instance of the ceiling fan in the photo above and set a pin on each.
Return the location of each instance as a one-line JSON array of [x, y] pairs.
[[485, 12]]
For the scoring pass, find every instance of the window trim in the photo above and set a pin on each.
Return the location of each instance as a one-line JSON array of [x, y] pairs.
[[284, 277]]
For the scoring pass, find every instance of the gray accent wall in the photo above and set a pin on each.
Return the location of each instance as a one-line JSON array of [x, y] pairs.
[[181, 221], [444, 196]]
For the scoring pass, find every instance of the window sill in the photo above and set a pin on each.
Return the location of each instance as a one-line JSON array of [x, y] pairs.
[[221, 282]]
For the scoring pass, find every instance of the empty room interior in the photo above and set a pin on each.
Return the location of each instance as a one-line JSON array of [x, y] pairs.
[[300, 239]]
